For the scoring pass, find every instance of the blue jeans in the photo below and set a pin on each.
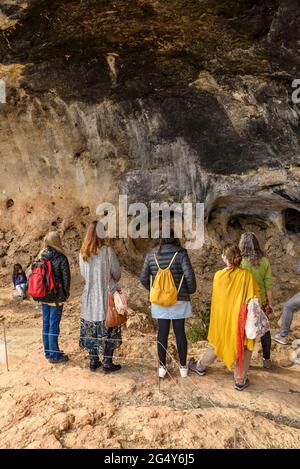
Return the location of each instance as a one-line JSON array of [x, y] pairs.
[[51, 320], [292, 305]]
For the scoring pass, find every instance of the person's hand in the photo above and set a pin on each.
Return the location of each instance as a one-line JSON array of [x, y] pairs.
[[269, 310]]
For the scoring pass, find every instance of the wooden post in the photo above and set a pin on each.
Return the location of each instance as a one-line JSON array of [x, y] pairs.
[[235, 438], [159, 380], [5, 345]]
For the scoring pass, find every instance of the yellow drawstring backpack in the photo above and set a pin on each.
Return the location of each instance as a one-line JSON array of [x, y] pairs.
[[163, 291]]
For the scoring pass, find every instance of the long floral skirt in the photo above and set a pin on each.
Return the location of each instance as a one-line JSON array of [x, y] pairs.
[[97, 339]]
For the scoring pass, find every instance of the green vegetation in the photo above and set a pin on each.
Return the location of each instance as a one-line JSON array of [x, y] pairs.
[[199, 329]]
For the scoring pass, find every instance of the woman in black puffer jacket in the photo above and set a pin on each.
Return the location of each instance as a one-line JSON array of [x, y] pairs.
[[52, 309], [182, 271]]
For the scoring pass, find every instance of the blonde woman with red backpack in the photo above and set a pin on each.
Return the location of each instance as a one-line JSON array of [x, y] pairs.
[[51, 268]]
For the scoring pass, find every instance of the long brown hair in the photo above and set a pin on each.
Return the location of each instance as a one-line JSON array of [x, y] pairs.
[[16, 269], [161, 240], [250, 248], [92, 243], [232, 254]]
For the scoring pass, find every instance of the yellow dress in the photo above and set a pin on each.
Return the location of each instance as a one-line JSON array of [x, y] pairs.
[[231, 289]]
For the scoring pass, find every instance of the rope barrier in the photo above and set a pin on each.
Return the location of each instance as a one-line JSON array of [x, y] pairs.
[[211, 402], [172, 379], [190, 404], [5, 345]]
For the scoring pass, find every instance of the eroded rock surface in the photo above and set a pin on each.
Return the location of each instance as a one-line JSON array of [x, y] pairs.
[[164, 101], [161, 100]]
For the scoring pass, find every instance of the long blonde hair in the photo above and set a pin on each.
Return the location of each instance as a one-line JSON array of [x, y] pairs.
[[53, 240], [92, 243]]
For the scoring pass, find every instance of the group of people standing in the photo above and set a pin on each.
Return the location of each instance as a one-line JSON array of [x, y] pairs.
[[246, 274]]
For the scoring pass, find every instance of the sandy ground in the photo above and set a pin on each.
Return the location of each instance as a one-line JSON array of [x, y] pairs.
[[67, 406]]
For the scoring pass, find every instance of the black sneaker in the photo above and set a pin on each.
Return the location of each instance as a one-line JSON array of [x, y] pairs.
[[94, 367], [193, 367], [240, 387], [62, 359], [111, 368], [267, 363]]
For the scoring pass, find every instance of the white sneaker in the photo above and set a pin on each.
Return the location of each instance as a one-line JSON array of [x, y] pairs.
[[280, 339], [162, 371], [184, 371]]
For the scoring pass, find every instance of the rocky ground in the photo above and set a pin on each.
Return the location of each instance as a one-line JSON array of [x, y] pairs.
[[67, 406], [166, 101]]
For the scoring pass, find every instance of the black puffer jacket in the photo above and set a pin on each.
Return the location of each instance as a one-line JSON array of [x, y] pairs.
[[61, 273], [181, 265]]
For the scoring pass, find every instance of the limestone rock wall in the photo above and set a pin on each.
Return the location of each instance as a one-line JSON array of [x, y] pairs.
[[161, 100]]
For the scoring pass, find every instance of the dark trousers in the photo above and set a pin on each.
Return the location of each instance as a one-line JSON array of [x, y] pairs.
[[51, 320], [266, 345], [107, 356], [162, 339]]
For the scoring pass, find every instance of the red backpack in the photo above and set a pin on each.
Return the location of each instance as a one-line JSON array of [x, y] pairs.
[[41, 284]]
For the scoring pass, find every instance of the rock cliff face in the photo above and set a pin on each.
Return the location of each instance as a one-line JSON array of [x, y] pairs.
[[162, 100]]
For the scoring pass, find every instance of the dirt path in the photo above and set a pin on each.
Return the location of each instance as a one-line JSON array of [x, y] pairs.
[[67, 406]]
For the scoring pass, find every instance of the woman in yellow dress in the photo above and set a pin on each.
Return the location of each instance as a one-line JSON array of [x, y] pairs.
[[233, 288]]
